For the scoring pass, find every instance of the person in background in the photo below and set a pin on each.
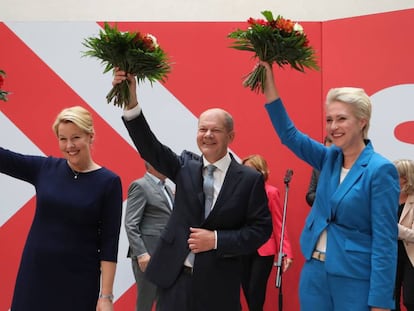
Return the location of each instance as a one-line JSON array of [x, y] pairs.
[[310, 195], [69, 259], [349, 239], [405, 266], [149, 205], [258, 265], [220, 212]]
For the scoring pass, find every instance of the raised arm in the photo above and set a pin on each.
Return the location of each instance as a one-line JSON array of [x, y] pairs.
[[270, 91], [120, 76]]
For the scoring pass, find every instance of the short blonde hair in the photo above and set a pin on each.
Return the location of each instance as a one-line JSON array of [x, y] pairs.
[[357, 99], [259, 163], [78, 116], [405, 170]]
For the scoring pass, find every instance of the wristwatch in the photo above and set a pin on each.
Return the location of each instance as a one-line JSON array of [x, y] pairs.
[[110, 297]]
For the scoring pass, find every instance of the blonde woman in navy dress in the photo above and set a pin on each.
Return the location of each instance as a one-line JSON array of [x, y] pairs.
[[70, 255]]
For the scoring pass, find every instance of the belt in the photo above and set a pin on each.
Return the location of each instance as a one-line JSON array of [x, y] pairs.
[[318, 255], [187, 270]]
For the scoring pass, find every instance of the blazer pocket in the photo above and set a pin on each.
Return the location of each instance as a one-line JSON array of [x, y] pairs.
[[358, 258], [360, 246]]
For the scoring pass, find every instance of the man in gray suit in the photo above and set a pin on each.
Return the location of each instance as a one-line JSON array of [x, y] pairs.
[[149, 206]]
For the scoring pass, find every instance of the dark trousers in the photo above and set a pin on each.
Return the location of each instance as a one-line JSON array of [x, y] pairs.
[[178, 296], [404, 280], [256, 271], [147, 292]]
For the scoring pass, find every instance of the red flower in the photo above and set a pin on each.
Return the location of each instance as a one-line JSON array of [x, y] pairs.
[[253, 21], [138, 38], [148, 43], [1, 81], [285, 25]]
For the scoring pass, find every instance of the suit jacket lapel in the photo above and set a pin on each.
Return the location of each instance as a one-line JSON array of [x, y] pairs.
[[350, 179], [195, 175], [230, 183], [170, 193], [156, 188], [408, 206]]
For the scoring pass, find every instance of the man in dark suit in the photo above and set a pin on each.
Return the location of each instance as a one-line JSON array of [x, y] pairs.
[[197, 262], [148, 209]]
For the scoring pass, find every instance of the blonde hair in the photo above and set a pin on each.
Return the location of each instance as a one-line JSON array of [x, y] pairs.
[[259, 163], [405, 170], [78, 115], [357, 99]]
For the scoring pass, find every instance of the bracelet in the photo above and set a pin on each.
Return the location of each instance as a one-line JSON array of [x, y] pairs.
[[110, 297]]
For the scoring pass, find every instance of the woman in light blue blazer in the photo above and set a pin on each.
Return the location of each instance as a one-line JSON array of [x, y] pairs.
[[350, 235]]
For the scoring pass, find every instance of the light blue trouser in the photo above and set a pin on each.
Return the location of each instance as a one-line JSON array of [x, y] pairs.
[[321, 291]]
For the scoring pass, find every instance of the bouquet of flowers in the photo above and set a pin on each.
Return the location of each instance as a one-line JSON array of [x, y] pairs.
[[134, 53], [3, 94], [279, 41]]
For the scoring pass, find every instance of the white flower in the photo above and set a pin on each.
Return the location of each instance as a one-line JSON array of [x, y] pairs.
[[154, 40], [298, 28]]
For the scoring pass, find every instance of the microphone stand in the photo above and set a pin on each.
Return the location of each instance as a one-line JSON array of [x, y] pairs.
[[281, 255]]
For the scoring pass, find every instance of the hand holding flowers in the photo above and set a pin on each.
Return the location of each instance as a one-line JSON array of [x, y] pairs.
[[3, 94], [135, 53], [279, 41]]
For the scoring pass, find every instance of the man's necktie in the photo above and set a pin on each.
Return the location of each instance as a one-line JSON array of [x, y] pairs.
[[208, 188], [167, 193]]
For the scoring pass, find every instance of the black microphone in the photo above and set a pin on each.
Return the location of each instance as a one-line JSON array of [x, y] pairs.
[[288, 176]]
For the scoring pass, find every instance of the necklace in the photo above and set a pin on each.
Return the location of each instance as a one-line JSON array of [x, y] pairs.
[[75, 173]]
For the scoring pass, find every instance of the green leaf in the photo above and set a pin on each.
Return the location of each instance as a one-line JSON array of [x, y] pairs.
[[268, 15]]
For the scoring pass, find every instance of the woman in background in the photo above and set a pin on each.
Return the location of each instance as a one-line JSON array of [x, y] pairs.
[[70, 255], [257, 266], [405, 265], [313, 184]]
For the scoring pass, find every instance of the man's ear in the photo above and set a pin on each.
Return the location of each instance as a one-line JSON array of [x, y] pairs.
[[232, 134]]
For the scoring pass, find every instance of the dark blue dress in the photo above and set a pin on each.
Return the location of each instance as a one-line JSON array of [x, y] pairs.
[[75, 226]]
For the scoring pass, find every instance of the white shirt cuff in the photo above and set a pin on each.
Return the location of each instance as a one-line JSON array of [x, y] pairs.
[[132, 113], [142, 255]]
